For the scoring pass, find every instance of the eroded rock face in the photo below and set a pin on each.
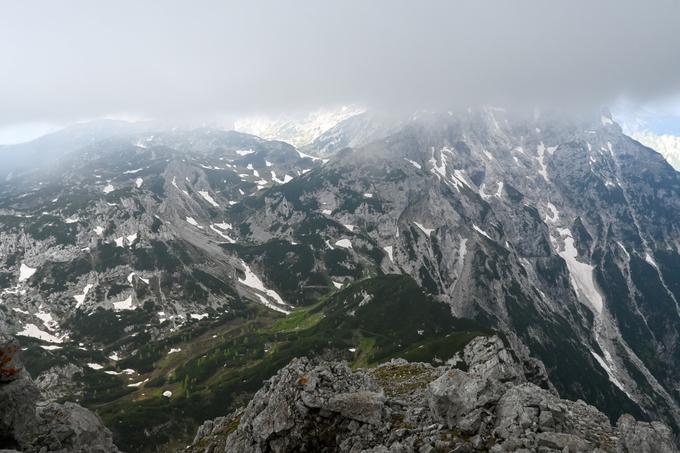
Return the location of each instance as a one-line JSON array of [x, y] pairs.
[[31, 425], [9, 359], [415, 407], [642, 437], [311, 408]]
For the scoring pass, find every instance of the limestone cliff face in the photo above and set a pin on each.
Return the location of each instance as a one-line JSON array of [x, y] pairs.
[[483, 400], [31, 425]]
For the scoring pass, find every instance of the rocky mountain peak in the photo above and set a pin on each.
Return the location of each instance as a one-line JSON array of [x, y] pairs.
[[163, 262], [481, 401]]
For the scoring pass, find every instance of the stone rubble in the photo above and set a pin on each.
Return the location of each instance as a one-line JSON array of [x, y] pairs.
[[31, 425], [483, 403]]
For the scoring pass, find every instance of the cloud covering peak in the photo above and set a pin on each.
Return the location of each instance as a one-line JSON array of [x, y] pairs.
[[63, 61]]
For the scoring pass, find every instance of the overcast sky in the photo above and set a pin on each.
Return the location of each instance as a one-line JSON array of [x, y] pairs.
[[62, 61]]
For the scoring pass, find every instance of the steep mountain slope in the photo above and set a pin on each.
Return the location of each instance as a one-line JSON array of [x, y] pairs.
[[27, 157], [666, 145], [169, 261], [135, 220], [561, 232], [119, 244]]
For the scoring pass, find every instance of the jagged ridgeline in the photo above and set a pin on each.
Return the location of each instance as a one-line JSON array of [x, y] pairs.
[[497, 404], [158, 277]]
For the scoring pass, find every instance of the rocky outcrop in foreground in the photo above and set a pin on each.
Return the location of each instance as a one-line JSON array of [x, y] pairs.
[[30, 425], [484, 400]]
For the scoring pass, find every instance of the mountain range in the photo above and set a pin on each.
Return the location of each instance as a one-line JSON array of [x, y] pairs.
[[158, 275]]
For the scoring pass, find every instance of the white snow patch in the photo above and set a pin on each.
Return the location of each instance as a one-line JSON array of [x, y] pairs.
[[139, 182], [286, 178], [651, 261], [167, 393], [244, 152], [226, 237], [98, 230], [47, 319], [207, 197], [119, 241], [388, 250], [80, 298], [350, 227], [25, 272], [131, 238], [414, 163], [123, 304], [132, 274], [438, 169], [368, 195], [543, 171], [460, 176], [344, 243], [499, 191], [193, 222], [427, 231], [581, 273], [198, 316], [137, 384], [338, 285], [307, 156], [33, 331], [326, 212], [125, 371], [366, 299], [51, 347], [612, 377], [115, 357], [108, 189], [480, 231], [132, 172], [223, 225], [72, 219], [253, 281], [173, 350], [95, 366]]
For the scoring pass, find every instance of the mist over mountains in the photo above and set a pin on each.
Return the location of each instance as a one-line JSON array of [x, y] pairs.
[[345, 227], [157, 275]]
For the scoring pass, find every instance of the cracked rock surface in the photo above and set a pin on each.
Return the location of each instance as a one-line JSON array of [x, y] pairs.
[[30, 425], [414, 407]]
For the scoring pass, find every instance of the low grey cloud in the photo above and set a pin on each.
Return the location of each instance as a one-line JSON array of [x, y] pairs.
[[69, 60]]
